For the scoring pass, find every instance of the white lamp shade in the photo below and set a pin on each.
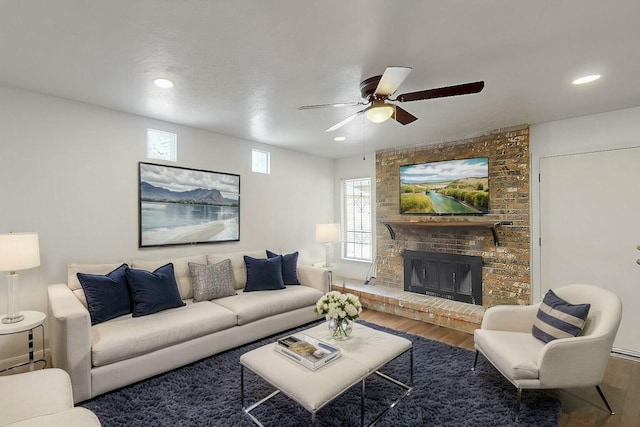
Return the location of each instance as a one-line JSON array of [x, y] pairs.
[[19, 251], [327, 233], [379, 113]]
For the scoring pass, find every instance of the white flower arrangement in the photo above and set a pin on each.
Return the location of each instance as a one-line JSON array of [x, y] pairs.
[[336, 305]]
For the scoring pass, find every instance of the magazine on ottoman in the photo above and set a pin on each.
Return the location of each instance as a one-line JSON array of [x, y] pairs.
[[307, 351]]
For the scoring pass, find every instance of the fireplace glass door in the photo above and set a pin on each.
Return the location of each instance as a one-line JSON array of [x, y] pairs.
[[450, 276]]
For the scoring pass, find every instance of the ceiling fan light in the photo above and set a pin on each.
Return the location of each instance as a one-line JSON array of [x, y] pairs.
[[379, 113], [586, 79], [163, 83]]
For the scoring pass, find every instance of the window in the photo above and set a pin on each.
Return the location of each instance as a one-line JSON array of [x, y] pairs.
[[356, 201], [260, 161], [162, 145]]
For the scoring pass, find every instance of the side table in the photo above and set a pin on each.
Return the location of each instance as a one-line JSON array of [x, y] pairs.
[[31, 321]]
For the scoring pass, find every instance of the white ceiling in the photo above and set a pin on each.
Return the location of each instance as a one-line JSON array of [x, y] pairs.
[[243, 67]]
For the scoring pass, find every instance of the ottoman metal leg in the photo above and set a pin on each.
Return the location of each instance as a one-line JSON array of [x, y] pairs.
[[407, 387]]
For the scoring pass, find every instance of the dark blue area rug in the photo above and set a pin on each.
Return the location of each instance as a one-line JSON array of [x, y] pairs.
[[446, 393]]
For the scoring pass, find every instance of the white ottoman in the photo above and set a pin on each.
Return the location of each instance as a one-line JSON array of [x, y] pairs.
[[363, 354]]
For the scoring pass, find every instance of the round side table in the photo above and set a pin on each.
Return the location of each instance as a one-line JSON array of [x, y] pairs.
[[31, 321]]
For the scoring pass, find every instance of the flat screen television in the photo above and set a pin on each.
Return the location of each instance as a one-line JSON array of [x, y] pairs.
[[452, 187]]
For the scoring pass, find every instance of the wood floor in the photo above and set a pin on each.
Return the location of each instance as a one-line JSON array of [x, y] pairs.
[[580, 407]]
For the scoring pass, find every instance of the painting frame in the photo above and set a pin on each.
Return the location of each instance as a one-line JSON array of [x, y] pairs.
[[445, 187], [186, 206]]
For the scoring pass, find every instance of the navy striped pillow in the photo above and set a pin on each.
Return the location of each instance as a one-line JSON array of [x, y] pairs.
[[557, 318]]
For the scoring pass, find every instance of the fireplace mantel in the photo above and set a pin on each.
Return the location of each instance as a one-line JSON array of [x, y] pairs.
[[463, 225]]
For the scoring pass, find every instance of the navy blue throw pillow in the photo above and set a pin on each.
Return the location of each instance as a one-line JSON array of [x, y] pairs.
[[263, 274], [289, 267], [153, 292], [107, 296], [557, 318]]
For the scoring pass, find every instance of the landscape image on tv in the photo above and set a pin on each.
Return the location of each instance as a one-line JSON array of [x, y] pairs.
[[453, 187]]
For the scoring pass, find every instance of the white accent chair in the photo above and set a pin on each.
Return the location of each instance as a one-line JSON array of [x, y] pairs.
[[41, 398], [505, 340]]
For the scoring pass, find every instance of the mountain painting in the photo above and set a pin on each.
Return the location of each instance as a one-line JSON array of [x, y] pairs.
[[181, 206]]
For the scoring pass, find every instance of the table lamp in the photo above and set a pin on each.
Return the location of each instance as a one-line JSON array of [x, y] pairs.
[[327, 234], [18, 251]]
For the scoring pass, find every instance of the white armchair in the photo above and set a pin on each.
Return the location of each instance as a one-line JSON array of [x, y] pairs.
[[505, 339], [41, 398]]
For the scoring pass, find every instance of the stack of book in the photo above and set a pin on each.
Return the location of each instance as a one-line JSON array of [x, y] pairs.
[[307, 351]]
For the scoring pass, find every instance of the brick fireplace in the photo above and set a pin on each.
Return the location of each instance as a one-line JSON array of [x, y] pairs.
[[505, 267]]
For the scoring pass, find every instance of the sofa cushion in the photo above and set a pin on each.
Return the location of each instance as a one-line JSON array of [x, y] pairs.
[[263, 274], [212, 281], [107, 295], [153, 291], [72, 276], [251, 306], [289, 267], [180, 268], [237, 264], [127, 337], [557, 318], [75, 417], [515, 354]]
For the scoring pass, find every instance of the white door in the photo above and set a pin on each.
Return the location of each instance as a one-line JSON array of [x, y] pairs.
[[590, 229]]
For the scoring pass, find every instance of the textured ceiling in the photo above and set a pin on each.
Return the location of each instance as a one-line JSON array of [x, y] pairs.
[[242, 68]]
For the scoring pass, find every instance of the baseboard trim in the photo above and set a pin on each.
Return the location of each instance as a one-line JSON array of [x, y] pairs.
[[626, 353]]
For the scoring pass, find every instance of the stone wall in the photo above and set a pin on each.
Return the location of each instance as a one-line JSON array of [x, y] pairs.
[[506, 268]]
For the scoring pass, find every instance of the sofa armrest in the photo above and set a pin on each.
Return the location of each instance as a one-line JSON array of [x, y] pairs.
[[70, 338], [33, 394], [75, 417], [574, 362], [512, 318], [313, 277]]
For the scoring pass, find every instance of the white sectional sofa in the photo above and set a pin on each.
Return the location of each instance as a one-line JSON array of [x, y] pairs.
[[126, 349]]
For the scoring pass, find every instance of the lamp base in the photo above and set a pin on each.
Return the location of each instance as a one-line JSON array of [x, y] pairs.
[[13, 319], [327, 255], [13, 312]]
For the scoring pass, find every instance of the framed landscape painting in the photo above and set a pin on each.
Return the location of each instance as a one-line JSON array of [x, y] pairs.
[[181, 206], [450, 187]]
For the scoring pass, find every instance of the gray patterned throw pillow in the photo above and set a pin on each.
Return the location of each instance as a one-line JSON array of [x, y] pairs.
[[212, 281]]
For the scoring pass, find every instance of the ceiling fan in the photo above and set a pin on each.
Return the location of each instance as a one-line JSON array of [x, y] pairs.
[[377, 90]]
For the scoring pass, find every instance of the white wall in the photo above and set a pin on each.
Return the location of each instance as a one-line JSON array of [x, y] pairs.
[[597, 132], [69, 171], [354, 167]]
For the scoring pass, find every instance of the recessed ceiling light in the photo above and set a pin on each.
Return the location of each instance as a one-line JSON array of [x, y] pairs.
[[586, 79], [163, 83], [340, 138]]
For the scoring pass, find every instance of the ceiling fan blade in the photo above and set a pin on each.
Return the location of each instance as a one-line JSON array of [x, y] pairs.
[[441, 92], [391, 80], [402, 116], [336, 104], [344, 122]]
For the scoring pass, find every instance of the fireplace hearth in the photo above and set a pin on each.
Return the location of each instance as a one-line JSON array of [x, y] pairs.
[[450, 276]]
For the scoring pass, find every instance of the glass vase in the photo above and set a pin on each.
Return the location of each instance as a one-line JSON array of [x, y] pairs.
[[340, 328]]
